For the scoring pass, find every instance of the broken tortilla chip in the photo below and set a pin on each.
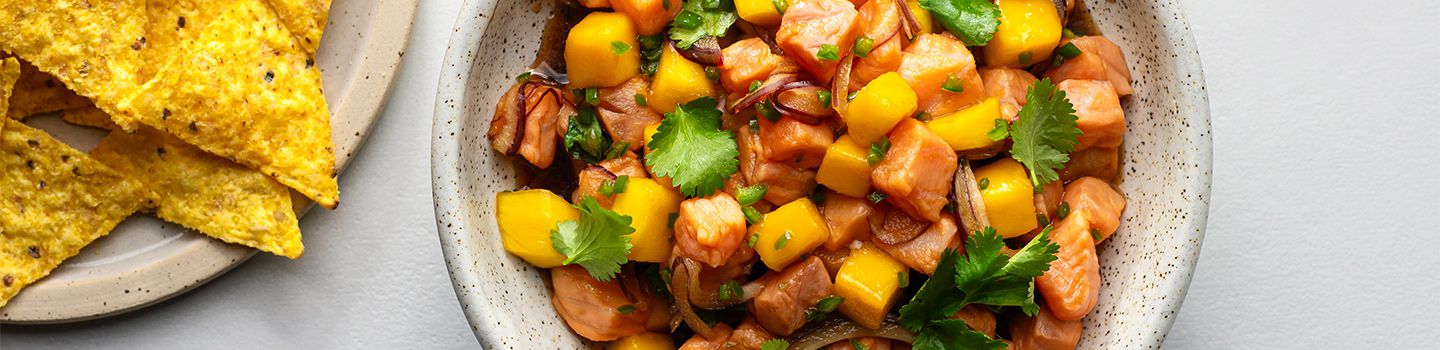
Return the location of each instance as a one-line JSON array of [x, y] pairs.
[[206, 193], [242, 89], [56, 201], [91, 46], [9, 73], [305, 18], [38, 93], [89, 116]]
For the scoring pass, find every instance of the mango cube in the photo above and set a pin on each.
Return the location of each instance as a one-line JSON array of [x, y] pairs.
[[968, 129], [649, 205], [526, 218], [677, 81], [601, 51], [759, 12], [846, 168], [869, 280], [1029, 30], [1009, 197], [643, 341], [877, 107], [789, 232]]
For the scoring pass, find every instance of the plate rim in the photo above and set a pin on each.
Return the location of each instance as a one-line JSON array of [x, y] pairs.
[[206, 259]]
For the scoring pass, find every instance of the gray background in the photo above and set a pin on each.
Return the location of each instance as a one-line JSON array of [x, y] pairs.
[[1322, 230]]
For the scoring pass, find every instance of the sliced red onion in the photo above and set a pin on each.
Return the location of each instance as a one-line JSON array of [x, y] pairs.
[[817, 335], [705, 51]]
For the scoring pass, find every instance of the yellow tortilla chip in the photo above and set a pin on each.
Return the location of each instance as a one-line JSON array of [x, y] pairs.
[[56, 201], [242, 89], [91, 46], [9, 73], [89, 116], [171, 21], [38, 92], [206, 193], [305, 19]]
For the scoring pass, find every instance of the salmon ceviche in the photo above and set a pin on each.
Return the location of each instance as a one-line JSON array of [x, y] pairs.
[[817, 174]]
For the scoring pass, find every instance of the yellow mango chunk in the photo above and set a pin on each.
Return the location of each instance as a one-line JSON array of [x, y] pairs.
[[643, 341], [526, 218], [1009, 197], [601, 51], [869, 280], [759, 12], [649, 205], [789, 232], [1029, 30], [846, 168], [877, 107], [677, 81], [967, 129], [650, 134], [922, 16]]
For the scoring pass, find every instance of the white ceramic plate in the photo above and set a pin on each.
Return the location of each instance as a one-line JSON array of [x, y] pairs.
[[144, 260], [1146, 266]]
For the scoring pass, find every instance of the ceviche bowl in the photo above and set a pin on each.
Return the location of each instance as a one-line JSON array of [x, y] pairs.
[[1146, 265]]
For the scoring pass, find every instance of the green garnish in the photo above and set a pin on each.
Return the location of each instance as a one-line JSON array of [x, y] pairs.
[[1069, 50], [780, 242], [754, 85], [599, 241], [1025, 58], [697, 21], [823, 307], [765, 109], [731, 290], [523, 77], [592, 96], [753, 238], [640, 100], [619, 48], [973, 21], [817, 197], [855, 345], [712, 73], [692, 150], [984, 183], [1095, 234], [904, 277], [614, 187], [650, 48], [750, 194], [780, 5], [828, 52], [876, 197], [953, 84], [586, 140], [1044, 132], [877, 151], [752, 216], [626, 309], [863, 45], [1001, 130], [823, 96], [775, 344], [1062, 211]]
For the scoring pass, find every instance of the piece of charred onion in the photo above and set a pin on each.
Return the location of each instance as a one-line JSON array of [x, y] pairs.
[[890, 225], [840, 87], [819, 334], [686, 273], [969, 206], [767, 88], [705, 51], [801, 100]]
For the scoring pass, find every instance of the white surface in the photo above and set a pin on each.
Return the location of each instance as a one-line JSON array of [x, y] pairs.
[[1322, 229]]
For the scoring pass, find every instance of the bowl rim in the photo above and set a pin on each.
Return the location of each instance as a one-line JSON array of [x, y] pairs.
[[473, 20]]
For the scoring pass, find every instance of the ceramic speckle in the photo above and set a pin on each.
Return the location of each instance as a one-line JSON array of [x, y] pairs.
[[1146, 266]]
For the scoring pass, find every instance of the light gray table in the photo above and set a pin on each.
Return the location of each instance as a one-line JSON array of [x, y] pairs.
[[1322, 231]]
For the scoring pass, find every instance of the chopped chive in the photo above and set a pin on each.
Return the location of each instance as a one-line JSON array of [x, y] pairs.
[[828, 52], [855, 345], [752, 216], [592, 96], [1001, 130], [523, 77], [1025, 58], [984, 183], [863, 45], [953, 84], [876, 197], [687, 19], [822, 307], [904, 277], [851, 96], [1042, 220], [780, 5], [750, 194], [640, 100], [712, 73], [619, 48], [665, 4], [768, 111], [754, 85], [1095, 234], [753, 238], [1063, 211], [824, 96], [731, 290], [1069, 50], [626, 309], [780, 242], [877, 151]]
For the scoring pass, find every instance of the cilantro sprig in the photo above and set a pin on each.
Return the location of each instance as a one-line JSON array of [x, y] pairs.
[[973, 21], [692, 150], [775, 344], [699, 19], [598, 241], [586, 140], [1044, 132], [984, 276]]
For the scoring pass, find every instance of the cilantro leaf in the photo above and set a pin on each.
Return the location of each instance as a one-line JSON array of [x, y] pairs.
[[692, 150], [1044, 132], [973, 21], [597, 241], [586, 140], [989, 277], [697, 21], [954, 335], [936, 299], [775, 344]]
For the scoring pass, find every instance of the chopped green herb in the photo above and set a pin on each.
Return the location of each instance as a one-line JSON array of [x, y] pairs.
[[650, 48], [823, 307], [731, 290], [523, 77], [851, 96], [1095, 234], [775, 344], [876, 197], [599, 241], [752, 216], [780, 5], [780, 242], [765, 109], [1001, 130], [863, 45], [1063, 211], [693, 150], [828, 52], [585, 138], [754, 85], [619, 48], [855, 345], [922, 116], [614, 187], [750, 194], [697, 21], [753, 237], [1042, 220], [1025, 58], [953, 84], [1069, 50], [1044, 132], [592, 96], [640, 100], [823, 96], [626, 309], [877, 151], [984, 183], [904, 278], [712, 73], [973, 21]]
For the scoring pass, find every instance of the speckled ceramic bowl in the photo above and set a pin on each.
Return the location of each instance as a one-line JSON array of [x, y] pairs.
[[1146, 266]]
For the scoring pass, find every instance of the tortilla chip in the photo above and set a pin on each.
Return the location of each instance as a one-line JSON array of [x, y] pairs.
[[242, 89], [89, 116], [206, 193], [9, 73], [169, 22], [38, 93], [305, 19], [56, 201], [91, 46]]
